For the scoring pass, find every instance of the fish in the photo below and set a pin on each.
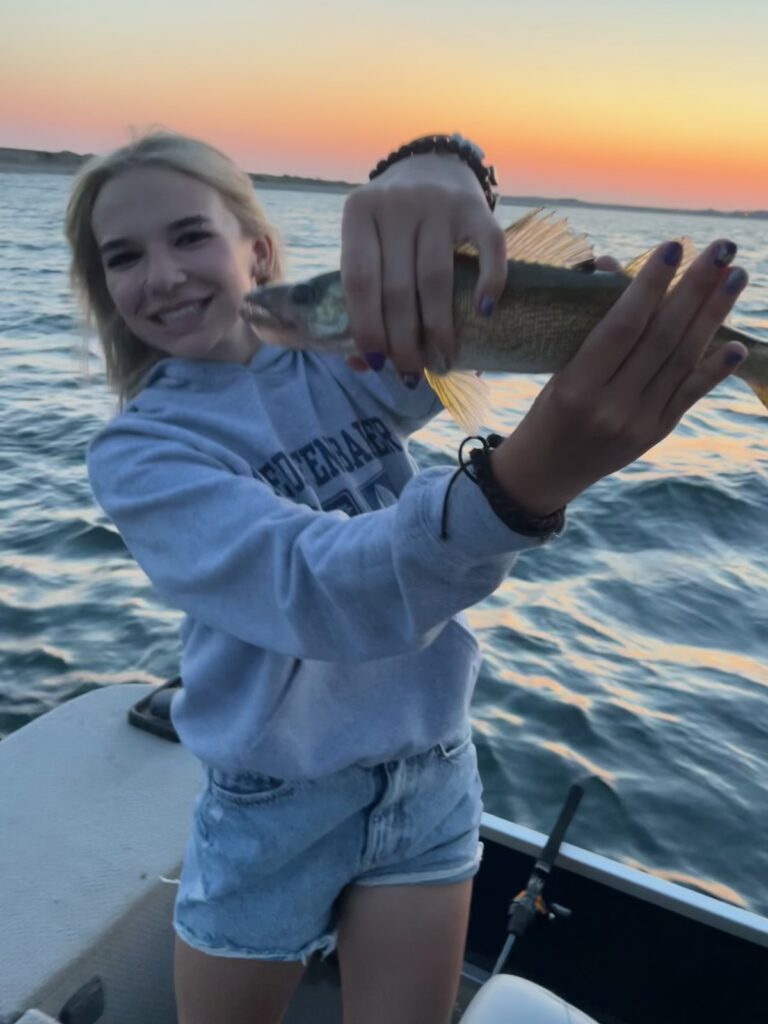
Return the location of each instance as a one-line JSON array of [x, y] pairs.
[[552, 300]]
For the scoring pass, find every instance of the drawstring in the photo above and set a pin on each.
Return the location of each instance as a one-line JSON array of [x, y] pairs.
[[466, 467], [477, 466]]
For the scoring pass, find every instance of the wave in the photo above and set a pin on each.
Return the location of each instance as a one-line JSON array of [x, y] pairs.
[[42, 324]]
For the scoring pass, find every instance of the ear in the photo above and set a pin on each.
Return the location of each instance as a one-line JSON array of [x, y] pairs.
[[261, 260]]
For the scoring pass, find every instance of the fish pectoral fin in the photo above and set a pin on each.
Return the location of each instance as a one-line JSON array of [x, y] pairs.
[[464, 395], [690, 252], [536, 238]]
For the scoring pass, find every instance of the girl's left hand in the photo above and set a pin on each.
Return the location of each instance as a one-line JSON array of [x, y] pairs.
[[399, 233]]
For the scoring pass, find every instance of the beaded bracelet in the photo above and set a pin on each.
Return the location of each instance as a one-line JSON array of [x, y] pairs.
[[477, 466], [467, 151]]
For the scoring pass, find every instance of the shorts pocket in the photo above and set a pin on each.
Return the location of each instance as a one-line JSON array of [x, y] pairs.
[[453, 749], [247, 788]]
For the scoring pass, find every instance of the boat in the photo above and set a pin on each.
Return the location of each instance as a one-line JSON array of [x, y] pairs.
[[94, 814]]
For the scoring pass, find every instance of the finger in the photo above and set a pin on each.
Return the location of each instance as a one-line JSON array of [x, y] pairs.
[[361, 276], [669, 341], [708, 374], [434, 274], [477, 224], [607, 263], [398, 227], [610, 343], [700, 334], [358, 364]]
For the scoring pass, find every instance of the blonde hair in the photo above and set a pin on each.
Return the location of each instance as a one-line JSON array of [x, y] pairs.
[[128, 358]]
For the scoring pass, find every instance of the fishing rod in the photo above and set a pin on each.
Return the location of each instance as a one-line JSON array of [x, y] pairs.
[[530, 902]]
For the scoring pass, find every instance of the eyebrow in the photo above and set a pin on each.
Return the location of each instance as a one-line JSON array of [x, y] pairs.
[[198, 220]]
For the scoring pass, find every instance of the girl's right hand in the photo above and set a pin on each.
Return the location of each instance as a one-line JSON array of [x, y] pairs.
[[626, 389], [399, 233]]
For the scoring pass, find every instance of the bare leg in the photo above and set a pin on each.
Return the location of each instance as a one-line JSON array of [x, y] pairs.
[[223, 990], [401, 948]]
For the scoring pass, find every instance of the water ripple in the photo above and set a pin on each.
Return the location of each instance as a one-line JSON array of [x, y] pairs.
[[631, 650]]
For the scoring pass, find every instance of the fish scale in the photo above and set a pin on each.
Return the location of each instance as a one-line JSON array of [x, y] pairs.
[[551, 302], [542, 318]]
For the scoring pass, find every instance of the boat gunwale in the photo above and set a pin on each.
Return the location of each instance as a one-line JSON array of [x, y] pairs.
[[744, 924]]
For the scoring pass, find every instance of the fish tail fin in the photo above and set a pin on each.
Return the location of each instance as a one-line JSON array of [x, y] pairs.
[[754, 370], [760, 389], [464, 395]]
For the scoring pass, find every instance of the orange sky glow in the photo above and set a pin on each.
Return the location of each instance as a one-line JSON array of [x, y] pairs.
[[618, 102]]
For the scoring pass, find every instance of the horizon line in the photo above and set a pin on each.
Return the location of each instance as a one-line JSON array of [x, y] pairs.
[[67, 161]]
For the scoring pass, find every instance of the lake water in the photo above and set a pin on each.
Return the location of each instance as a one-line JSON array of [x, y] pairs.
[[632, 649]]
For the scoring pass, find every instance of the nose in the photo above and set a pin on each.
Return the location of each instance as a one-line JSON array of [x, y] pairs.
[[163, 271]]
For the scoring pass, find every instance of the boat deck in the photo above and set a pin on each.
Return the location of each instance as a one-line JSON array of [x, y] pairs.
[[94, 816]]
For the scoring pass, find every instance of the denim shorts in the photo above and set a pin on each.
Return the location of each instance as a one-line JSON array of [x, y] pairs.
[[268, 859]]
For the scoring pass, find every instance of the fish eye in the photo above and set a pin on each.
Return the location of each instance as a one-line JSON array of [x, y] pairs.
[[303, 294]]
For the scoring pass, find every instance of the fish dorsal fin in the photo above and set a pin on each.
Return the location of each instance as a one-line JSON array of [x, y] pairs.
[[536, 238], [464, 395], [633, 268]]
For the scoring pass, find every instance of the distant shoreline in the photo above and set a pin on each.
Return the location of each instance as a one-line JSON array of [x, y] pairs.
[[35, 161]]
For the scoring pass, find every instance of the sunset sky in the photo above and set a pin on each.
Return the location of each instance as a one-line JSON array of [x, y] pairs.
[[635, 101]]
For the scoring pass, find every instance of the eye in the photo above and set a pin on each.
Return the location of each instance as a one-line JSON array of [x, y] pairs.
[[192, 237], [303, 294], [121, 259]]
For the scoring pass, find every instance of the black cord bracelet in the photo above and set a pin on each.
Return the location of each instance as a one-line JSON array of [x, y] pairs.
[[467, 151], [477, 466]]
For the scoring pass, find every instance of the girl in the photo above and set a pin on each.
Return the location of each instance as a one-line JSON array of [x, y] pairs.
[[269, 495]]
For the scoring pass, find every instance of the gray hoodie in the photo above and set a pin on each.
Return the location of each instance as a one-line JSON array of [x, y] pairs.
[[277, 506]]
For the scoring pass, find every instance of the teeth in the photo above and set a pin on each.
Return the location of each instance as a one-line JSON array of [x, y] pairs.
[[174, 315]]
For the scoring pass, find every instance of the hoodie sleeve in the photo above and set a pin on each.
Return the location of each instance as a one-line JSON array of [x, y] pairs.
[[223, 547], [407, 409]]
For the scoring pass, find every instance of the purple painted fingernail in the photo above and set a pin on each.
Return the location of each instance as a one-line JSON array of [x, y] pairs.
[[672, 254], [375, 360], [411, 380], [735, 281], [734, 357], [486, 305], [724, 254]]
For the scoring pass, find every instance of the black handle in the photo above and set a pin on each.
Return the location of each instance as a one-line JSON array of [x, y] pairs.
[[86, 1006], [564, 818]]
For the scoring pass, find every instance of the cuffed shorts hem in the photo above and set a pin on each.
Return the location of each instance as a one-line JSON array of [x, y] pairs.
[[440, 876], [325, 945]]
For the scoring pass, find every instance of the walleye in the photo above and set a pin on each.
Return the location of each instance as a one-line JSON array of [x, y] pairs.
[[548, 307]]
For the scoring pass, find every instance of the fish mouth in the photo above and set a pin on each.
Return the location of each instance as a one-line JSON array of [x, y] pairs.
[[271, 313], [257, 313], [270, 325]]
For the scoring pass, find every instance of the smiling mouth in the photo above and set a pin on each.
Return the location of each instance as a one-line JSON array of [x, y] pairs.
[[180, 314]]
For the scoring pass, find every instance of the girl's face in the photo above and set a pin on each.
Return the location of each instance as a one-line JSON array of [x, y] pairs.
[[177, 263]]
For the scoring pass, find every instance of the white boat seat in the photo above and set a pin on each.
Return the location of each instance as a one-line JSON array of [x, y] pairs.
[[507, 999]]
